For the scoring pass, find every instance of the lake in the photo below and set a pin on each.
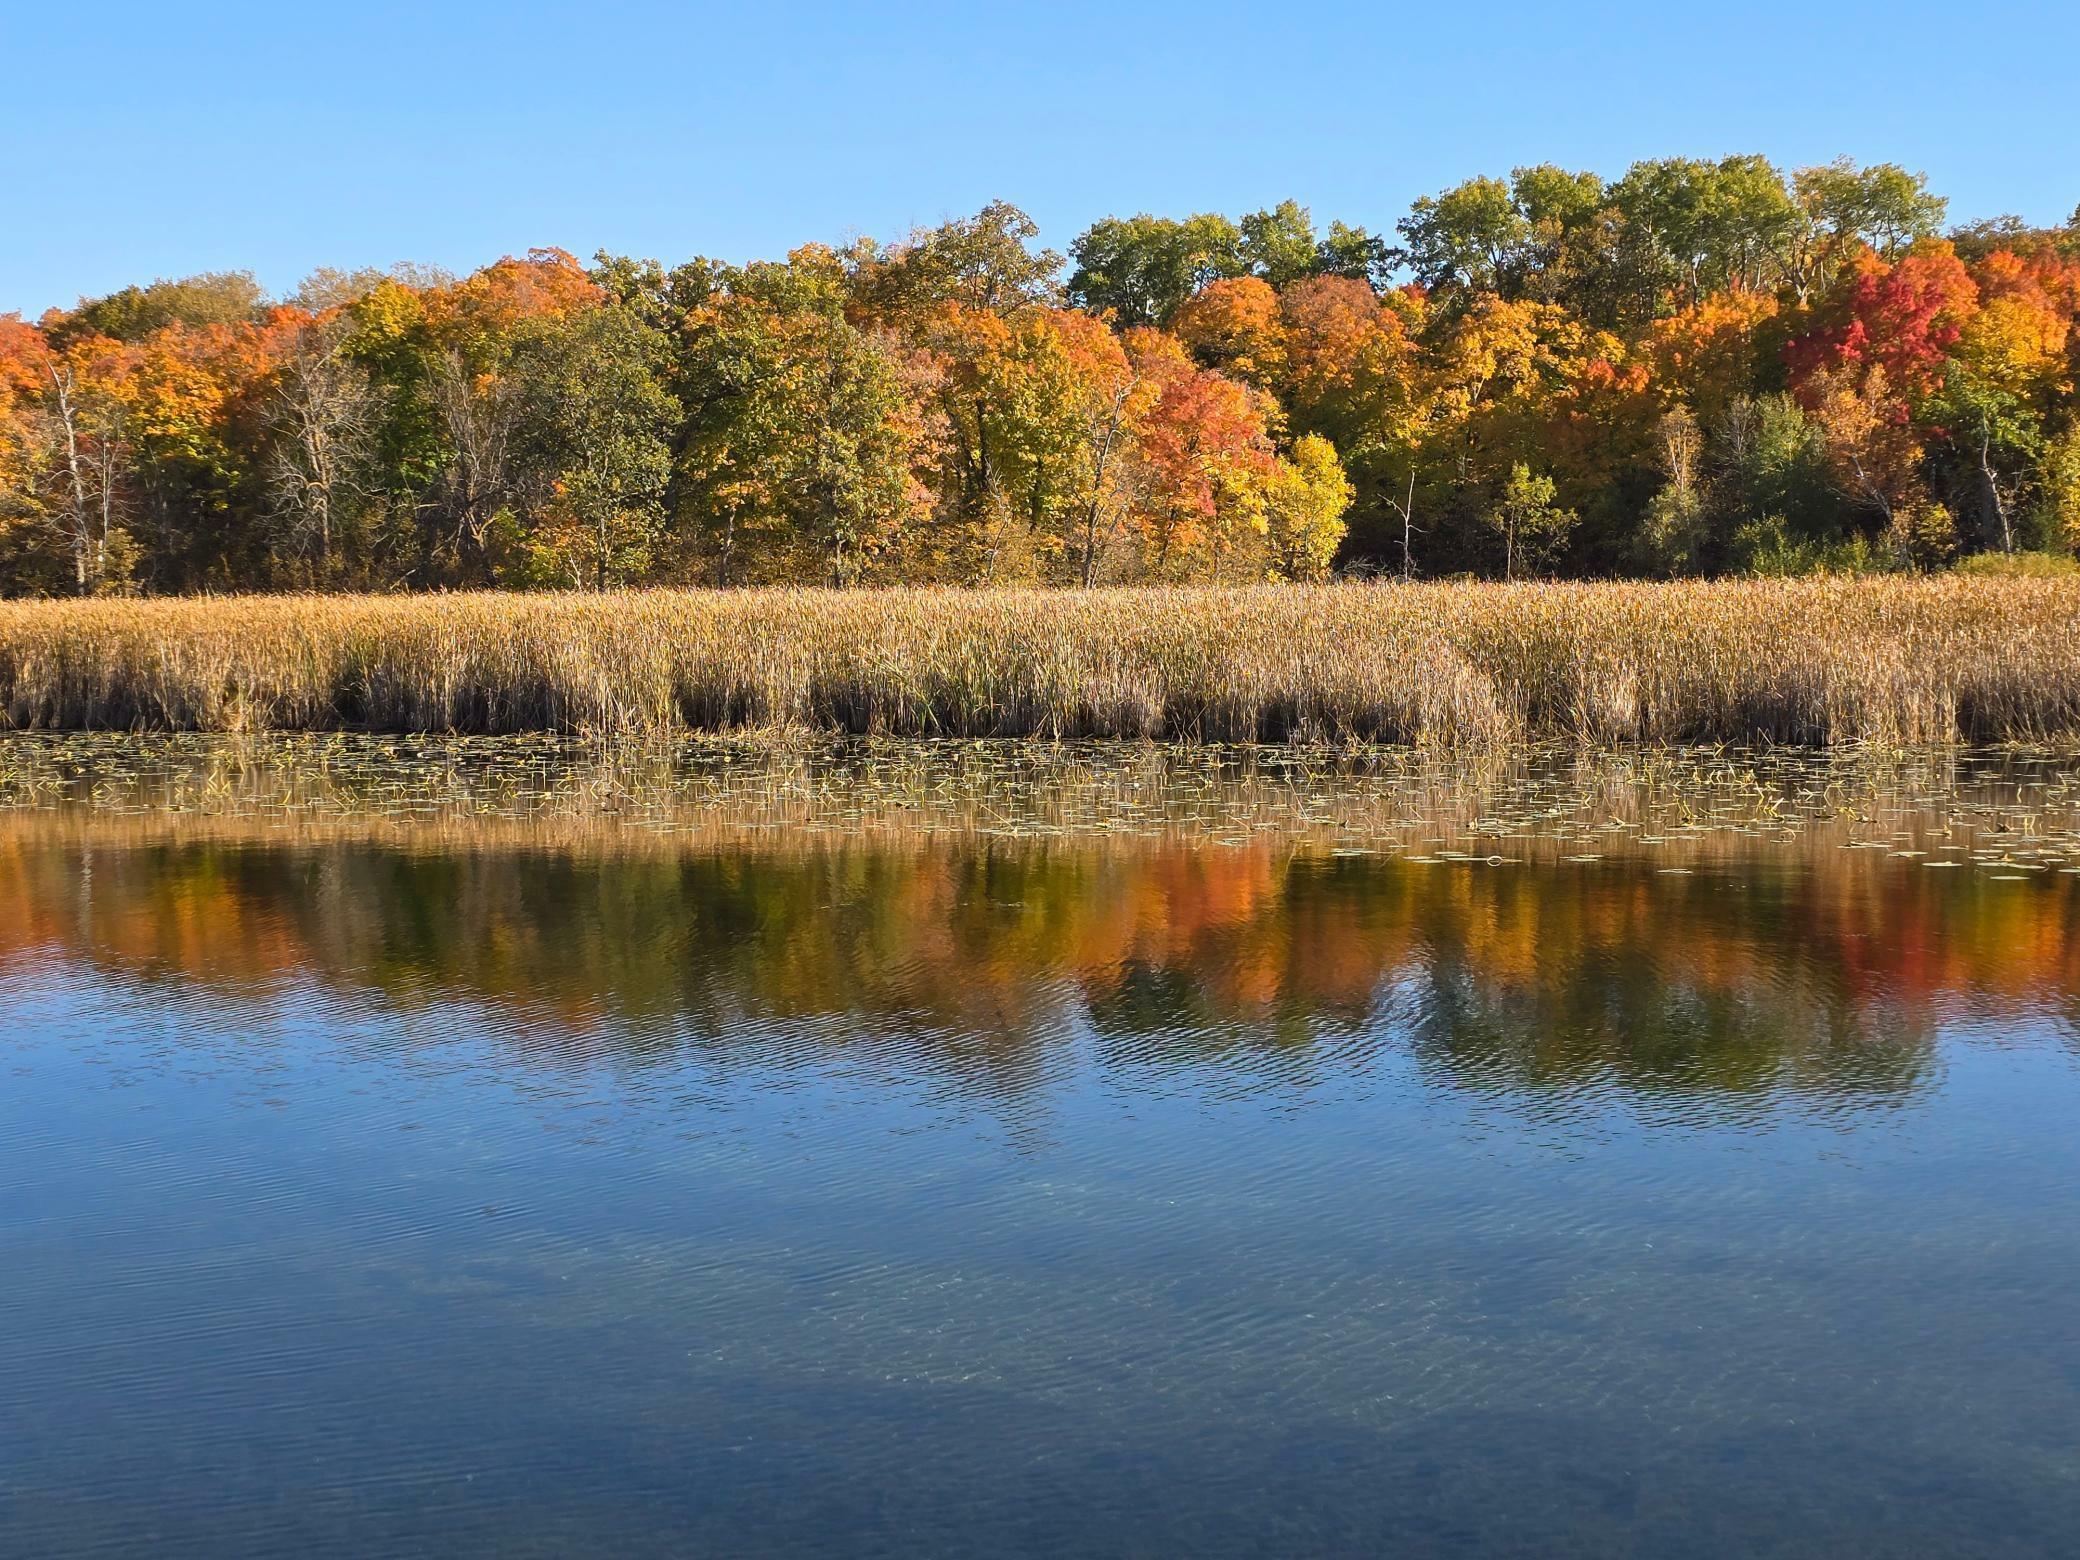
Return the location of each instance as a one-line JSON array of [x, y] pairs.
[[511, 1147]]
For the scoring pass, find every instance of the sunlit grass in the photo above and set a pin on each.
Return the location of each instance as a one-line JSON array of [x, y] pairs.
[[1805, 661]]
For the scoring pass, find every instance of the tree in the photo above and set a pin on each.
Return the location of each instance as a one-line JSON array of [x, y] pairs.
[[984, 262], [1873, 448], [1471, 237], [1140, 270], [460, 344], [2000, 436], [1279, 244], [1673, 529], [800, 431], [1709, 354], [1905, 318], [1202, 455], [1691, 228], [322, 407], [1039, 413], [1531, 526], [2058, 499], [1882, 207], [1304, 501], [212, 298], [1355, 255], [84, 433], [2002, 382], [1233, 325], [1770, 462], [1709, 363], [595, 424]]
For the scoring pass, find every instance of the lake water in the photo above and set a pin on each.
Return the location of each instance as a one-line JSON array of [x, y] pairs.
[[499, 1148]]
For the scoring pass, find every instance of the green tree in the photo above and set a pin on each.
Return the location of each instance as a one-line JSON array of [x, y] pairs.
[[1532, 528], [1279, 244], [595, 426], [1673, 529], [1691, 228], [1141, 269], [1353, 253], [2058, 497], [1883, 206], [800, 431], [211, 298], [1997, 439], [1471, 237], [986, 261], [1772, 461]]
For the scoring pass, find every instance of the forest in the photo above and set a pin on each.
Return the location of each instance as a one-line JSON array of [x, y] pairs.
[[1697, 368]]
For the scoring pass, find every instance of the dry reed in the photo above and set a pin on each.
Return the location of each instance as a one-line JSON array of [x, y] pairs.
[[1804, 661]]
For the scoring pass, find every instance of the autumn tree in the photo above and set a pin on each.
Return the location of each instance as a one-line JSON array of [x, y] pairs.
[[1305, 497], [801, 430], [1874, 450], [2005, 377], [1713, 364], [1203, 456], [1233, 325], [458, 355], [81, 452]]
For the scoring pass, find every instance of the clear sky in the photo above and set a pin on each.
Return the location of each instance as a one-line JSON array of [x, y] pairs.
[[145, 140]]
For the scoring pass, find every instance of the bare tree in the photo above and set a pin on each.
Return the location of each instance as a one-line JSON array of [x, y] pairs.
[[481, 412], [1406, 509], [324, 411], [85, 430]]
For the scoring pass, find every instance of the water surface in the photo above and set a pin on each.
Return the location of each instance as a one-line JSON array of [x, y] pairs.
[[504, 1149]]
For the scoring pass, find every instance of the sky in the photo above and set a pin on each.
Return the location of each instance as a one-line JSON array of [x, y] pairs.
[[146, 140]]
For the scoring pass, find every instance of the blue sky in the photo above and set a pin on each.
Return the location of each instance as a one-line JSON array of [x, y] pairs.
[[154, 140]]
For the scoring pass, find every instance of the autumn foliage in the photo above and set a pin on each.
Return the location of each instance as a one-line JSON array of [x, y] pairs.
[[1699, 367]]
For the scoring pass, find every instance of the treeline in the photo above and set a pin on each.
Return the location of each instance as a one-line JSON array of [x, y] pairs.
[[1702, 367]]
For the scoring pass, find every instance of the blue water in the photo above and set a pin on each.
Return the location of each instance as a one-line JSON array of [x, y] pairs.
[[958, 1198]]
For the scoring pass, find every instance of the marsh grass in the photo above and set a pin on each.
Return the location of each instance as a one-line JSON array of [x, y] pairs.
[[1790, 661]]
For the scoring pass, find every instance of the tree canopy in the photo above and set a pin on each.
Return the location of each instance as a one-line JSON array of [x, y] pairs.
[[1698, 365]]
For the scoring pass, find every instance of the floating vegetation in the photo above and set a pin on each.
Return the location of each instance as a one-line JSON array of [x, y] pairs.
[[2011, 810]]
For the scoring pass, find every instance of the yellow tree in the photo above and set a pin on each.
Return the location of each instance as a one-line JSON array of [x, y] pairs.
[[1304, 502]]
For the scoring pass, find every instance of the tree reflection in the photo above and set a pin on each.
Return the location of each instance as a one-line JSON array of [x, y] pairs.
[[1821, 973]]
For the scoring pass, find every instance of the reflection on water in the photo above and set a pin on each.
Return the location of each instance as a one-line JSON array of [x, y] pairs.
[[892, 1150]]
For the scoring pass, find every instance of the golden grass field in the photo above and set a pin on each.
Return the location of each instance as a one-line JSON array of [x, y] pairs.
[[1794, 661]]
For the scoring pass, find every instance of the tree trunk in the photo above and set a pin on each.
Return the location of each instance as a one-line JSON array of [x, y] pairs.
[[1993, 489]]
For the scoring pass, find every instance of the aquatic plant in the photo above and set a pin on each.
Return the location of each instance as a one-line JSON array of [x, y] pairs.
[[1794, 661]]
